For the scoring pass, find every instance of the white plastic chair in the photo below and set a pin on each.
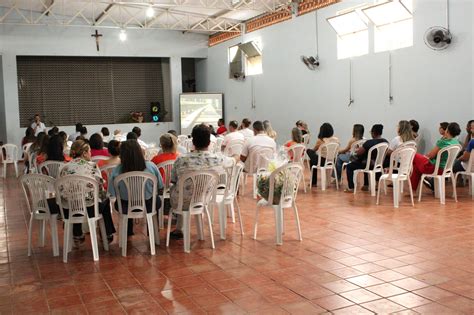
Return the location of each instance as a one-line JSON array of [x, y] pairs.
[[228, 198], [97, 158], [298, 152], [291, 177], [188, 144], [401, 160], [218, 145], [408, 144], [440, 180], [306, 139], [204, 186], [25, 148], [234, 148], [259, 158], [182, 139], [469, 173], [354, 147], [11, 157], [32, 163], [37, 188], [380, 150], [51, 168], [135, 185], [150, 153], [166, 166], [331, 150], [74, 189]]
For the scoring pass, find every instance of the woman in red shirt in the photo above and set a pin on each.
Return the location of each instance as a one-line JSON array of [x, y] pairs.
[[97, 145], [296, 138], [168, 144]]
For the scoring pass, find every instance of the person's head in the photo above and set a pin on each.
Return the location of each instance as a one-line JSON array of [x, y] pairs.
[[80, 149], [268, 127], [404, 130], [78, 127], [220, 122], [233, 125], [442, 127], [326, 131], [211, 129], [37, 118], [137, 131], [376, 130], [246, 123], [453, 130], [302, 125], [173, 132], [105, 131], [358, 131], [83, 131], [258, 127], [297, 135], [132, 136], [114, 147], [168, 143], [55, 149], [53, 131], [29, 133], [82, 138], [63, 135], [131, 156], [415, 126], [96, 142], [44, 144], [201, 137], [470, 127]]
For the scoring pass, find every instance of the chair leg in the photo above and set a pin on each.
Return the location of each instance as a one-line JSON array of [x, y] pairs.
[[161, 212], [222, 219], [199, 226], [93, 234], [297, 218], [323, 178], [66, 241], [454, 188], [335, 174], [232, 212], [411, 192], [103, 234], [255, 224], [278, 224], [420, 187], [42, 232], [304, 182], [354, 179], [16, 168], [442, 190], [30, 232], [396, 192], [123, 230], [240, 217], [168, 230], [373, 184], [187, 231], [311, 178], [254, 183], [156, 229], [213, 245], [471, 186], [53, 222], [151, 233], [378, 190]]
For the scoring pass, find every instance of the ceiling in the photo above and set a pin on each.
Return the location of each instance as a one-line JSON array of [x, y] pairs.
[[202, 16]]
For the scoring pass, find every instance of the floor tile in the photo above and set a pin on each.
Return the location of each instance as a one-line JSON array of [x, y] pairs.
[[332, 302], [409, 300], [360, 296]]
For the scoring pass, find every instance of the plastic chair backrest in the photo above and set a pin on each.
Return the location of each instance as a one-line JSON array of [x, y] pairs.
[[297, 152], [218, 145], [36, 188], [331, 149], [150, 153], [26, 147], [225, 176], [259, 158], [356, 145], [165, 168], [135, 185], [452, 151], [32, 162], [204, 188], [188, 144], [182, 139], [290, 175], [99, 157], [380, 150], [11, 153], [232, 188], [51, 168], [72, 192], [306, 139], [408, 144], [401, 160], [234, 147]]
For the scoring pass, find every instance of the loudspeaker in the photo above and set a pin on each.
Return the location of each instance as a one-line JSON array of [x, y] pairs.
[[155, 109]]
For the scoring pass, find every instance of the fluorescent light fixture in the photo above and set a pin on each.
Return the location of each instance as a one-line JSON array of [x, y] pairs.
[[123, 35], [150, 12], [347, 23], [386, 13]]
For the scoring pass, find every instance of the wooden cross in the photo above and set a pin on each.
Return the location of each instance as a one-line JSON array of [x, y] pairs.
[[97, 37]]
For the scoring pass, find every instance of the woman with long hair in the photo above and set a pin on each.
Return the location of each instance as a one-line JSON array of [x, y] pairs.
[[303, 126], [326, 135], [345, 153], [269, 130], [296, 138], [97, 145], [405, 133], [132, 160]]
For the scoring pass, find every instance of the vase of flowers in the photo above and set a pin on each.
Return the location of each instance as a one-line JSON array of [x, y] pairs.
[[263, 183]]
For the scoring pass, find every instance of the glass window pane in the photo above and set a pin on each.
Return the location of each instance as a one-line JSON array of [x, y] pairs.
[[353, 45], [347, 23]]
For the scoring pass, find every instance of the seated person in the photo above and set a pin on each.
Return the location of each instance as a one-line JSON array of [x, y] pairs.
[[97, 146], [345, 153], [54, 151], [303, 126], [469, 135], [425, 164], [326, 135], [168, 144], [269, 130], [259, 140], [442, 128], [245, 128], [199, 159], [404, 134], [221, 130], [460, 165], [362, 156], [132, 160], [105, 135], [415, 127], [72, 137], [114, 159], [232, 135], [180, 149], [296, 138], [138, 132]]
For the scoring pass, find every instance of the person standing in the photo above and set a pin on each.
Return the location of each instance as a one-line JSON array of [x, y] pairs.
[[37, 125]]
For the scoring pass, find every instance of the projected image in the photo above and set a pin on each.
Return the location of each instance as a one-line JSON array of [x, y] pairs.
[[199, 108]]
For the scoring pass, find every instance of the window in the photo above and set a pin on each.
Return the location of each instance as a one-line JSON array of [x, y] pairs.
[[245, 59], [353, 45]]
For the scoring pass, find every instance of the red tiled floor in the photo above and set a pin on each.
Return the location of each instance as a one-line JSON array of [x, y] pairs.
[[349, 243]]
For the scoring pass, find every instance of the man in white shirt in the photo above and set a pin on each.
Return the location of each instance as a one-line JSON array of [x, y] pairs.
[[232, 135], [245, 128], [260, 140], [73, 136], [37, 125], [138, 132]]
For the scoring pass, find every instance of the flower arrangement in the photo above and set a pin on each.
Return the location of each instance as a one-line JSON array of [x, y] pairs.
[[263, 183]]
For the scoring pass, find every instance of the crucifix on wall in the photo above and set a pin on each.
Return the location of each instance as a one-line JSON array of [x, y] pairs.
[[97, 37]]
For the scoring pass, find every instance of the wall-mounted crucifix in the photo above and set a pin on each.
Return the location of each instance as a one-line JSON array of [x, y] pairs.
[[97, 37]]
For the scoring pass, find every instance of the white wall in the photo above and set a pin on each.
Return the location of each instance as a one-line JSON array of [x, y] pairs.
[[427, 86], [25, 40]]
